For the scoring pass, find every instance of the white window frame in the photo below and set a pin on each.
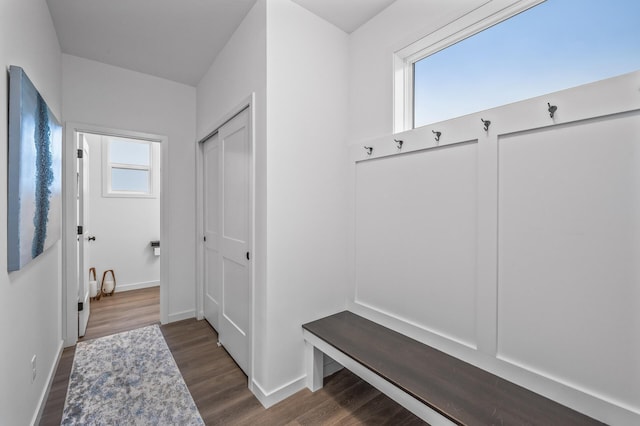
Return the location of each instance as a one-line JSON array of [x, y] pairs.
[[477, 20], [108, 166]]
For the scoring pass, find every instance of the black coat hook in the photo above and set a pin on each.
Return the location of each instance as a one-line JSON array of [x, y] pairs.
[[438, 134], [369, 149], [552, 109], [399, 142], [486, 123]]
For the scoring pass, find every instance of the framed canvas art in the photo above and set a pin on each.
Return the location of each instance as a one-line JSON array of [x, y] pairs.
[[34, 186]]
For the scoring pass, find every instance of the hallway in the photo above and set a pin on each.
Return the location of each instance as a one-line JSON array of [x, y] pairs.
[[217, 384]]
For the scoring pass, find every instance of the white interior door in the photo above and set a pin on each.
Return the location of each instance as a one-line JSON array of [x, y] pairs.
[[83, 242], [212, 264], [235, 235]]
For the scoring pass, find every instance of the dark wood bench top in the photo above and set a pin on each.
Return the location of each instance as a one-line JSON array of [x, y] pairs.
[[465, 394]]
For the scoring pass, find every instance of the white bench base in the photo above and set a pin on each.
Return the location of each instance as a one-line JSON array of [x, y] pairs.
[[315, 350]]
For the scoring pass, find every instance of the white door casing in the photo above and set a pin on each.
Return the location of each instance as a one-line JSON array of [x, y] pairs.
[[83, 239], [70, 288]]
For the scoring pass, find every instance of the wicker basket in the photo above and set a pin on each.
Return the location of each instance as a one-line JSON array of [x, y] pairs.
[[108, 286]]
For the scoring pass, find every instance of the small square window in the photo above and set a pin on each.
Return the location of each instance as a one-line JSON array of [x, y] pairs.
[[127, 152], [130, 180], [128, 166]]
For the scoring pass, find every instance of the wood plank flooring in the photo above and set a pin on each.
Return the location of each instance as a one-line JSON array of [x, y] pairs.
[[109, 315], [123, 311], [217, 384]]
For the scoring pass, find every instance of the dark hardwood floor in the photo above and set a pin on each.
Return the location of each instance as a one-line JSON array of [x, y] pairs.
[[218, 386], [123, 311]]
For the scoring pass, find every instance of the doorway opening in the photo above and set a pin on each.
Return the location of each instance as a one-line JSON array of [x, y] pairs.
[[117, 210]]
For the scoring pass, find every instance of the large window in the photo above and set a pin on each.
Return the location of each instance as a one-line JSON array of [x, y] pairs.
[[128, 168], [552, 46]]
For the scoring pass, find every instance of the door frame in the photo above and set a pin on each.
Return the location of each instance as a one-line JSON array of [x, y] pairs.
[[82, 165], [69, 251], [246, 104]]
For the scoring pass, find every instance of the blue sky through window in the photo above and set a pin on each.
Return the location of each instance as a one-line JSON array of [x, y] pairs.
[[553, 46]]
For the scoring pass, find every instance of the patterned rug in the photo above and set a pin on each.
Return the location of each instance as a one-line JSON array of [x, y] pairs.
[[128, 378]]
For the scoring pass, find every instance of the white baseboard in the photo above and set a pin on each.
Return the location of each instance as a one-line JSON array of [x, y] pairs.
[[37, 416], [179, 316], [136, 286], [267, 399]]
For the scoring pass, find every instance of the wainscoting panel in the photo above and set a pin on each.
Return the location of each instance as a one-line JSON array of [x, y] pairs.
[[515, 248], [568, 257], [416, 238]]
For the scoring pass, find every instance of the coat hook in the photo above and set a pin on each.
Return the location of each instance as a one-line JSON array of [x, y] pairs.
[[399, 142], [552, 109], [486, 123], [437, 135], [369, 149]]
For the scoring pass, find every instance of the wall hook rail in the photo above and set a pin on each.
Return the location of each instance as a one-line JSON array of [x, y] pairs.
[[438, 134], [486, 123], [369, 150], [399, 142], [552, 109]]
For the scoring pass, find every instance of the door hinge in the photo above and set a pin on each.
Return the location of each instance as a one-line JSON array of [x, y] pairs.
[[79, 153], [248, 256], [80, 230], [80, 306], [205, 238]]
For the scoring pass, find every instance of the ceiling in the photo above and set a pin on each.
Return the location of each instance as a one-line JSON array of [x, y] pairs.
[[176, 40], [347, 15]]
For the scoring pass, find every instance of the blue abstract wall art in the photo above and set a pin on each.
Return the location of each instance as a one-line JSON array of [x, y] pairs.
[[34, 180]]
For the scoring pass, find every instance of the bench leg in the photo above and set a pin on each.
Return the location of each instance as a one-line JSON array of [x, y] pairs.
[[315, 367]]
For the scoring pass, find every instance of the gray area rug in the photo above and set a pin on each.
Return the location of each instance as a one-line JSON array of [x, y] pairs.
[[128, 378]]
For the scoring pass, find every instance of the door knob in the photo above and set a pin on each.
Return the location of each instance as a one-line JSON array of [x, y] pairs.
[[91, 238]]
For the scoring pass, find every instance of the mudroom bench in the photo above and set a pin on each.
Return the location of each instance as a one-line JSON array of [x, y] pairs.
[[437, 387]]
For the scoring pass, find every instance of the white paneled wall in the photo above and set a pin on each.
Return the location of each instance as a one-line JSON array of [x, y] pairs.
[[515, 248], [416, 235], [568, 275]]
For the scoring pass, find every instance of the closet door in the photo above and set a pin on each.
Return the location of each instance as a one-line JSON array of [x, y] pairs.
[[212, 264], [235, 257]]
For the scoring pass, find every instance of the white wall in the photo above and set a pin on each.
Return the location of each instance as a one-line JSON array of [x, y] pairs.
[[370, 58], [296, 64], [519, 261], [238, 71], [30, 314], [514, 248], [307, 178], [113, 97], [123, 227]]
